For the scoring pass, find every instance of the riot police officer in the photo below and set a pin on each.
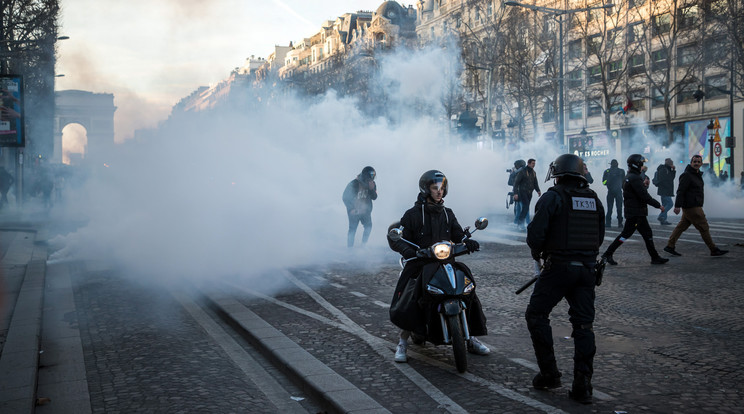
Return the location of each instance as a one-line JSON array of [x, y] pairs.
[[636, 200], [566, 233], [613, 178]]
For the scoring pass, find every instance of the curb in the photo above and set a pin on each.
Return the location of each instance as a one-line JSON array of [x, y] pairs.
[[334, 392]]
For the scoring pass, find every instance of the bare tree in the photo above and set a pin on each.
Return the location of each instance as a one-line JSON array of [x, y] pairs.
[[610, 52], [672, 40], [28, 32]]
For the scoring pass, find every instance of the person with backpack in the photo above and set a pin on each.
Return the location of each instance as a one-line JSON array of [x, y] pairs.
[[664, 181]]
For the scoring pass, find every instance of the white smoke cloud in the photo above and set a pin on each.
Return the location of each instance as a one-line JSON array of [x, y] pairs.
[[240, 192]]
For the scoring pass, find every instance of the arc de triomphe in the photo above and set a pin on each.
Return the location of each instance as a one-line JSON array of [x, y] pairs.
[[94, 111]]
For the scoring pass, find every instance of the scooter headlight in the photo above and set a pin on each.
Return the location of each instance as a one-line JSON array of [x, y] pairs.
[[433, 290], [442, 250], [469, 286]]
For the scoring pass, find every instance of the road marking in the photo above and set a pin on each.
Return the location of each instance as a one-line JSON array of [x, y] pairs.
[[250, 367], [381, 304], [358, 294], [336, 285], [384, 348]]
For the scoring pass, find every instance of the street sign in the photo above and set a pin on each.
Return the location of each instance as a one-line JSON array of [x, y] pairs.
[[717, 150], [717, 138]]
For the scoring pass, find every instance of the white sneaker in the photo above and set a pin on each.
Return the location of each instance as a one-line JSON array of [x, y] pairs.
[[400, 353], [476, 347]]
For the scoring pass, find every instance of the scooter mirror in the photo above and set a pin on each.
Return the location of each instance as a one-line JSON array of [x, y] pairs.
[[395, 234], [481, 223]]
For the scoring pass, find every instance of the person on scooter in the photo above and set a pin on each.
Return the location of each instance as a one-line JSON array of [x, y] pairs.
[[567, 230], [427, 222]]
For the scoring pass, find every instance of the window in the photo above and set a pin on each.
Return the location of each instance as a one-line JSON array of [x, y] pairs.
[[657, 97], [687, 55], [660, 59], [638, 97], [637, 65], [615, 37], [685, 93], [595, 74], [716, 49], [615, 68], [574, 49], [548, 111], [575, 110], [635, 32], [716, 86], [661, 24], [688, 17], [616, 103], [593, 108], [593, 44], [635, 3], [575, 78], [715, 8]]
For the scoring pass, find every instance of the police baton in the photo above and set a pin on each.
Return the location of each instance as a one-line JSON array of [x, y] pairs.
[[533, 280]]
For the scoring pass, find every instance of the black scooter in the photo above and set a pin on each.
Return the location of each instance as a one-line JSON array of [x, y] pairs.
[[447, 286]]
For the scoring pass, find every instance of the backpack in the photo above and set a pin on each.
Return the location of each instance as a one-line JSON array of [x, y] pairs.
[[655, 181]]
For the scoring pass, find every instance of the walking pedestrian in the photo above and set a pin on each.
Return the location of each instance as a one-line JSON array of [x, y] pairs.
[[524, 184], [358, 197], [518, 165], [636, 200], [566, 233], [664, 181], [587, 174], [690, 198], [613, 178]]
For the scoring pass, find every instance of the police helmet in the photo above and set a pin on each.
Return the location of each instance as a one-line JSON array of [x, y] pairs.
[[368, 173], [566, 165], [432, 177], [635, 162]]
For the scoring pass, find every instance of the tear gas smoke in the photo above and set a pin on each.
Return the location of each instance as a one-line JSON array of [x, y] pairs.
[[240, 192]]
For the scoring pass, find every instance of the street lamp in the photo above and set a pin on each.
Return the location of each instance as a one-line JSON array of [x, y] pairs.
[[559, 14], [711, 138]]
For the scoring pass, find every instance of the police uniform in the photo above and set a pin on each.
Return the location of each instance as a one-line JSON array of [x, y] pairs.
[[566, 232]]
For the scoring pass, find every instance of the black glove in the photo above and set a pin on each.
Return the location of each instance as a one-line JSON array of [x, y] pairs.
[[422, 253], [472, 245], [535, 255]]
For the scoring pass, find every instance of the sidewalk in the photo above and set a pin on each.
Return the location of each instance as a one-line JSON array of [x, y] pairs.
[[42, 359]]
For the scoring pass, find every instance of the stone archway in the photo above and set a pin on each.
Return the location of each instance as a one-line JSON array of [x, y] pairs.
[[94, 111]]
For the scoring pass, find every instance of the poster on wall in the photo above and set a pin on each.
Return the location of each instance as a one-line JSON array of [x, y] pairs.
[[11, 111], [697, 142]]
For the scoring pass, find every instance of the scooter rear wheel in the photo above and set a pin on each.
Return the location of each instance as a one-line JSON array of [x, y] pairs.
[[458, 343]]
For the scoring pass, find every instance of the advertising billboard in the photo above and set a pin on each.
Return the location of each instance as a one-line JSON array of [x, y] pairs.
[[12, 133]]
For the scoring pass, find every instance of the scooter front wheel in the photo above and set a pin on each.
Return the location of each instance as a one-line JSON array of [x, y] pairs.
[[458, 342]]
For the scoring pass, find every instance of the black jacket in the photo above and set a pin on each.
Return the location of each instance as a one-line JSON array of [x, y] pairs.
[[690, 192], [613, 178], [635, 195], [526, 182], [664, 180], [425, 224], [358, 196]]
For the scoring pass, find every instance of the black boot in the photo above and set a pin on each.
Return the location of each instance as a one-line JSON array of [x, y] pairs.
[[547, 381], [581, 390], [655, 258], [607, 255]]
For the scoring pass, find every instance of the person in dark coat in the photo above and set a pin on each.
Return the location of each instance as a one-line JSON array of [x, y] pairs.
[[518, 165], [524, 184], [636, 200], [424, 224], [357, 197], [566, 234], [690, 198], [613, 178], [664, 181], [6, 180]]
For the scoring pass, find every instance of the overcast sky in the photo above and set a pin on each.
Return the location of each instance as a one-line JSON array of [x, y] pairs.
[[150, 54]]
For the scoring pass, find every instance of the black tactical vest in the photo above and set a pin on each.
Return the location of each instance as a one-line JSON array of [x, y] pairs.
[[576, 226]]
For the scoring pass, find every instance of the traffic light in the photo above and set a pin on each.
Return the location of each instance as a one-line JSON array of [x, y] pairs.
[[729, 142], [728, 160]]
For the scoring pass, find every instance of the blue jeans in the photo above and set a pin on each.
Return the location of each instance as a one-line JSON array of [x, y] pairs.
[[667, 202]]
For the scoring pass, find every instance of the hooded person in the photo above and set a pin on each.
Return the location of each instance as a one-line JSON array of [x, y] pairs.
[[636, 201], [358, 197], [424, 224]]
